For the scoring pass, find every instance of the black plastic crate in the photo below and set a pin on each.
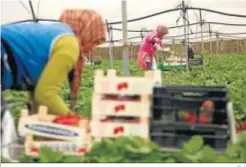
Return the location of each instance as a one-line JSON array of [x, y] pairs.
[[167, 101], [196, 62], [173, 137], [169, 131]]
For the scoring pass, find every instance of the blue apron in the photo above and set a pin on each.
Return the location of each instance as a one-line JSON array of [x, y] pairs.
[[30, 45]]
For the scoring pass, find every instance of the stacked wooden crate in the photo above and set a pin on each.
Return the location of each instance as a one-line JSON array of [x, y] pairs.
[[121, 105]]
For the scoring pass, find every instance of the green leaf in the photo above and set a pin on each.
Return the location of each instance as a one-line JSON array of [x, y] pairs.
[[48, 155], [232, 151], [194, 145], [224, 159], [130, 149], [26, 159], [170, 160], [181, 157], [208, 154], [73, 159], [110, 159], [144, 150]]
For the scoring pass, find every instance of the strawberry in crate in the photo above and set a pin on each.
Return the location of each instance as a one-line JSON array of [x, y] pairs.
[[207, 107], [204, 116], [206, 111], [69, 119]]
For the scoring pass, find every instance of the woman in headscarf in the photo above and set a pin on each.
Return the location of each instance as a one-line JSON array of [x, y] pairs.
[[40, 57], [151, 43]]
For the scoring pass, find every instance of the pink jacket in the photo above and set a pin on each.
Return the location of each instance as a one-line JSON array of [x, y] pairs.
[[148, 47]]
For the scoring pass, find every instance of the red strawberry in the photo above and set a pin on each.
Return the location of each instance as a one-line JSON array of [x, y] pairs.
[[244, 124], [34, 149], [82, 150], [240, 127], [203, 119], [73, 115], [207, 106], [67, 121], [192, 118], [185, 116], [58, 118], [71, 119]]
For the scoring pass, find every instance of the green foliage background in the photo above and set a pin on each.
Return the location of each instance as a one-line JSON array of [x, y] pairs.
[[229, 70]]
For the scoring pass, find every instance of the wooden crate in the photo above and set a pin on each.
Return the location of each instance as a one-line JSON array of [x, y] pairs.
[[41, 125], [104, 107], [119, 87], [138, 110], [111, 84], [76, 148], [67, 139], [115, 129]]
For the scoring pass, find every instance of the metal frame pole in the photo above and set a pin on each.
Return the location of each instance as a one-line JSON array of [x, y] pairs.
[[142, 35], [111, 46], [185, 36], [125, 51], [217, 43], [210, 37], [201, 24], [33, 14]]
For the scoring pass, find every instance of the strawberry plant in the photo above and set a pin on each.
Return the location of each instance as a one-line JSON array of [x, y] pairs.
[[226, 70], [137, 150], [229, 70], [241, 126], [237, 150]]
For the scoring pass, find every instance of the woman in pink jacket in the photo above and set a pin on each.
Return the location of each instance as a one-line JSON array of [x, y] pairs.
[[151, 43]]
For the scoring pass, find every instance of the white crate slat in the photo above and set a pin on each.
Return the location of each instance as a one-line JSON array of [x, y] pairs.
[[112, 84], [120, 108], [32, 147], [115, 129]]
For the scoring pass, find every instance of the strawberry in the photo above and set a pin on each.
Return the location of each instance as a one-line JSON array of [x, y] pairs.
[[191, 118], [240, 127], [184, 116], [243, 125], [71, 119], [203, 119], [34, 149], [207, 106], [58, 118], [82, 150]]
